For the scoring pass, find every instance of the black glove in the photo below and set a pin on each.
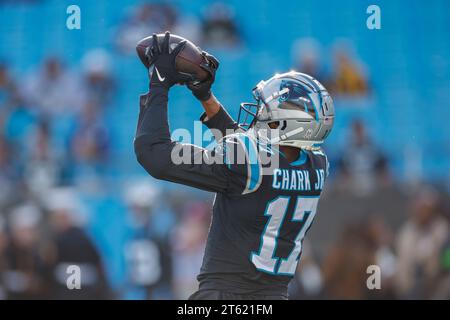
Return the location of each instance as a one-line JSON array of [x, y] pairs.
[[202, 90], [164, 73]]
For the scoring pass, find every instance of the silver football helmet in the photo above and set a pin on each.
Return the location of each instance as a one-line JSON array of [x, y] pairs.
[[299, 103]]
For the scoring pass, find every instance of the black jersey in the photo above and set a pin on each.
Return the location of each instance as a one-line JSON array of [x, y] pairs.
[[261, 211]]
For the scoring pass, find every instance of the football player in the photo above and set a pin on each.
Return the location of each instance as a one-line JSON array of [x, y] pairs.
[[261, 211]]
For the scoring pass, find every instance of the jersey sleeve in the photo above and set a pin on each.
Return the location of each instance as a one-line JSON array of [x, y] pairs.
[[224, 169]]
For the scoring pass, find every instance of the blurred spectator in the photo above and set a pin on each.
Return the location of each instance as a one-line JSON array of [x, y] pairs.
[[348, 78], [381, 241], [9, 174], [23, 276], [443, 287], [362, 166], [146, 19], [3, 264], [19, 122], [359, 246], [147, 251], [308, 279], [219, 26], [442, 290], [419, 246], [71, 245], [41, 167], [345, 265], [53, 89], [188, 243], [8, 89], [89, 142], [98, 84], [306, 57]]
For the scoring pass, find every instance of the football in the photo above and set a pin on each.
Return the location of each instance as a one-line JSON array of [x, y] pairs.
[[188, 59]]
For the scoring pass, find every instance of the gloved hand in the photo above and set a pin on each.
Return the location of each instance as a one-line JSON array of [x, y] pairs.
[[202, 90], [164, 73]]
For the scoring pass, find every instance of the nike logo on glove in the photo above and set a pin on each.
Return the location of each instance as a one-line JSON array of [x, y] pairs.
[[159, 76]]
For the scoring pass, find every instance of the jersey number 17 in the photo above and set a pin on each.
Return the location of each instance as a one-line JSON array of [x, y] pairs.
[[264, 259]]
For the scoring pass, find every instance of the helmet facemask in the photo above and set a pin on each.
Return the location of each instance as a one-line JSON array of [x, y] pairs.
[[247, 115]]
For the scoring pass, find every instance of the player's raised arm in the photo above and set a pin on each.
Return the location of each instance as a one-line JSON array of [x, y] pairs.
[[168, 160]]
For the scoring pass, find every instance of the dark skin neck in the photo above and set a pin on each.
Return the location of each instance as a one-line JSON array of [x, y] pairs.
[[291, 153]]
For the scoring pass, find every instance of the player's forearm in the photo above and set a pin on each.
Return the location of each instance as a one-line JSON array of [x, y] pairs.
[[153, 115], [153, 144], [212, 106], [216, 117]]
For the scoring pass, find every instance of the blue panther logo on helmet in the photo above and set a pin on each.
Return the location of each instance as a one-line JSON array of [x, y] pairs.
[[295, 91], [297, 96]]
